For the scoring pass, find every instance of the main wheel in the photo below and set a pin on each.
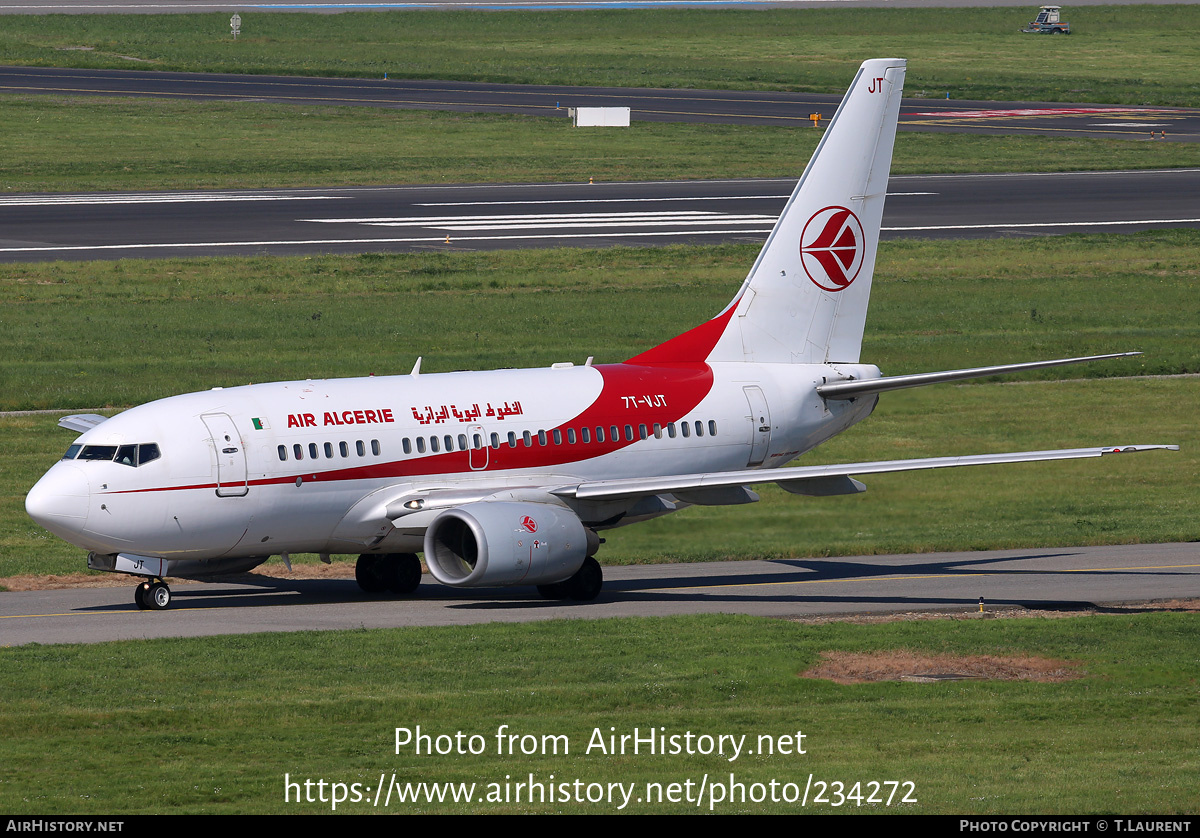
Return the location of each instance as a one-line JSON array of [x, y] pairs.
[[403, 571], [555, 590], [587, 581], [139, 595], [157, 596], [370, 572]]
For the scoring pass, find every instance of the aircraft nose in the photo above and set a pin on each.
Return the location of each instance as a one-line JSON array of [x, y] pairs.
[[59, 501]]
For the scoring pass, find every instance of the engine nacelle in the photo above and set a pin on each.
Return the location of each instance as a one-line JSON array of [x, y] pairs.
[[506, 543]]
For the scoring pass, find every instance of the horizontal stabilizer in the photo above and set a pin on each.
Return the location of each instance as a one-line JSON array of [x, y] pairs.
[[866, 387], [823, 477]]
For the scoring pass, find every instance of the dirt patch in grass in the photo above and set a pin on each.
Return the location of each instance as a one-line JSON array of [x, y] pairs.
[[902, 665]]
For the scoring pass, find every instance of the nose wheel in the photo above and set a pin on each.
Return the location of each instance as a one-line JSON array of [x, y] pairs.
[[153, 595]]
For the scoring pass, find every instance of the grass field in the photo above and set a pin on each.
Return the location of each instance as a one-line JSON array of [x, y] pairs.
[[57, 144], [90, 335], [1121, 54], [227, 718]]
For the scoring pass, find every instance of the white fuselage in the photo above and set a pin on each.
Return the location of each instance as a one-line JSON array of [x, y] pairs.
[[311, 466]]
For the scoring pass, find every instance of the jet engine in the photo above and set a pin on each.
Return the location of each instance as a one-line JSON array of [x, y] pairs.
[[506, 543]]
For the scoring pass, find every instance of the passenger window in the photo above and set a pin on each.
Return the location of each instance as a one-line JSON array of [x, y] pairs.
[[375, 447], [406, 445], [712, 427], [570, 436], [312, 450], [585, 435], [434, 445], [329, 450], [685, 428], [462, 442], [629, 433], [359, 448], [283, 453], [298, 450], [699, 428], [420, 445]]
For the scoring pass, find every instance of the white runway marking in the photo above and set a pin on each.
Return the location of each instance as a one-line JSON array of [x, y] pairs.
[[632, 200], [1033, 225], [610, 200], [555, 220], [740, 231]]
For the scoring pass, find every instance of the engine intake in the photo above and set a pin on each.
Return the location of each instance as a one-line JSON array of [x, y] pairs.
[[506, 543]]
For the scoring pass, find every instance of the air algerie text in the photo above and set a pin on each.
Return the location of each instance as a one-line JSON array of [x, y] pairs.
[[345, 417]]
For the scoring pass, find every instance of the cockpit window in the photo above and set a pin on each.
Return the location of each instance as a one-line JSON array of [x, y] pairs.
[[98, 452], [72, 452], [127, 455]]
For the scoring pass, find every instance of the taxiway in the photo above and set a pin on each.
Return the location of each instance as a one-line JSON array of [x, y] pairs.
[[1051, 578]]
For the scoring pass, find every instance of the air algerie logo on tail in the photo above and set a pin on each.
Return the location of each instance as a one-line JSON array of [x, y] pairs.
[[831, 248]]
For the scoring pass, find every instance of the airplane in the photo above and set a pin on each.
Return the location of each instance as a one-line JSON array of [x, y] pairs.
[[507, 477]]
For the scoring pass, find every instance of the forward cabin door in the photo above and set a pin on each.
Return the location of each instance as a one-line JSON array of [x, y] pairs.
[[230, 454]]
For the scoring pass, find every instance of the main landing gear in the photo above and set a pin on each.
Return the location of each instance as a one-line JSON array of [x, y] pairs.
[[399, 573], [584, 586], [152, 595]]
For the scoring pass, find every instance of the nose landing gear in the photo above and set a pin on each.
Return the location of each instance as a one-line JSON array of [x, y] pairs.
[[152, 595]]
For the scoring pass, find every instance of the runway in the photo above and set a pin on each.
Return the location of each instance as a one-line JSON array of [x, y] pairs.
[[931, 114], [486, 217], [1051, 578]]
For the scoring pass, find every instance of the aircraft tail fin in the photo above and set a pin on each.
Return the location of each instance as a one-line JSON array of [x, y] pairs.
[[805, 300]]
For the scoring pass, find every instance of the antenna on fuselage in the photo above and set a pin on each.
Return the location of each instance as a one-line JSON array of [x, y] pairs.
[[416, 370]]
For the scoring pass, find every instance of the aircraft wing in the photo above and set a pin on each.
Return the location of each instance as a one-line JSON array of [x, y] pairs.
[[81, 421], [814, 480]]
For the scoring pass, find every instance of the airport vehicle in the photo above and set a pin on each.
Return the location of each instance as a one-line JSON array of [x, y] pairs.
[[1048, 22], [507, 477]]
